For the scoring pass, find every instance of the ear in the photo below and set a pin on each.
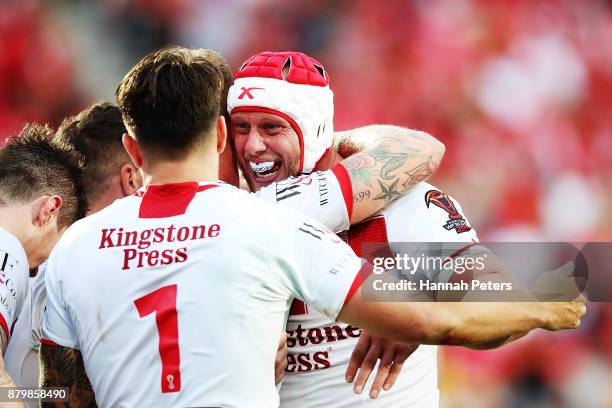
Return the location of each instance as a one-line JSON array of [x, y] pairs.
[[130, 179], [133, 150], [45, 209], [221, 134]]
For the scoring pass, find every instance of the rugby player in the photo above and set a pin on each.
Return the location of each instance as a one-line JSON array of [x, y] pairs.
[[95, 133], [287, 90], [108, 174], [188, 272], [40, 195]]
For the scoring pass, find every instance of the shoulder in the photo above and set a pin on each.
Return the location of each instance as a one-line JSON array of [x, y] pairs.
[[423, 197], [12, 248], [265, 202]]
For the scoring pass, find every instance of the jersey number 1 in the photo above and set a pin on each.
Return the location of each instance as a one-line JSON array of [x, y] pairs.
[[163, 302]]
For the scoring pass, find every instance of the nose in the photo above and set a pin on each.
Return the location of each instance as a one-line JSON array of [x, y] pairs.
[[255, 143]]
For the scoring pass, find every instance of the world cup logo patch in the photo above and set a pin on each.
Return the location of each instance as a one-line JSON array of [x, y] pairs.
[[455, 221]]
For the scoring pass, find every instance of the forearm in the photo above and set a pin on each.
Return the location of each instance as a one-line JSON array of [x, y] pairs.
[[63, 367], [389, 167], [5, 378], [482, 325], [497, 343], [476, 325], [350, 142]]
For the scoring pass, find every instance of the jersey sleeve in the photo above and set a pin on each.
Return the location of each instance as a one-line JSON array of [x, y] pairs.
[[14, 274], [434, 217], [431, 221], [325, 270], [324, 195], [57, 325]]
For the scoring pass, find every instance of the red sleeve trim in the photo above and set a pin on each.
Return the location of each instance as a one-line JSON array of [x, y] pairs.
[[363, 274], [5, 327], [48, 342], [346, 186]]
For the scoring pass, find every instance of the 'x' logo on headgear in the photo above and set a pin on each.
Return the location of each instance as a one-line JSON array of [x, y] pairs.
[[247, 92]]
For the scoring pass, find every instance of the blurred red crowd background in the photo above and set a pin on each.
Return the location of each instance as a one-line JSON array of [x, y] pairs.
[[520, 93]]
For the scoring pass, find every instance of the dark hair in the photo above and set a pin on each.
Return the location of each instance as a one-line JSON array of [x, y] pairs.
[[170, 97], [227, 75], [96, 133], [32, 165]]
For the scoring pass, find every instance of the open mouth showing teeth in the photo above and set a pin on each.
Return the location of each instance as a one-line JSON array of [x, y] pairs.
[[265, 169]]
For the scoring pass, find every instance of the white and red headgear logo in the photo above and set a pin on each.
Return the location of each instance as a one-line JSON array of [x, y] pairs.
[[291, 85]]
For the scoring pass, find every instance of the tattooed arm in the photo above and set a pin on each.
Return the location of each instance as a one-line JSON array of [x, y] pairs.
[[63, 367], [5, 378], [385, 163]]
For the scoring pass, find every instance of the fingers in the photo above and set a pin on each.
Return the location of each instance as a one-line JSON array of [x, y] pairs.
[[398, 362], [383, 371], [280, 363], [581, 309], [369, 361], [567, 270], [578, 309], [567, 315], [357, 357], [282, 343], [279, 371]]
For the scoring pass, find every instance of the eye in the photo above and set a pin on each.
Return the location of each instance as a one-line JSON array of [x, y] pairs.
[[242, 127], [272, 128]]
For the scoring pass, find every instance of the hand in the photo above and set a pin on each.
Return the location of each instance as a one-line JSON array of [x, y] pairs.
[[368, 350], [563, 315], [558, 284], [281, 359]]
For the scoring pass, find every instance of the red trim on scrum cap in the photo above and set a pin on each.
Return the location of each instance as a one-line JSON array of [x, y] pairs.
[[316, 166], [270, 64], [5, 327], [48, 342], [283, 115], [346, 186], [363, 274]]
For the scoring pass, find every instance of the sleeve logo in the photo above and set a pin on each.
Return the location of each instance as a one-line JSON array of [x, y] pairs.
[[455, 219], [291, 186]]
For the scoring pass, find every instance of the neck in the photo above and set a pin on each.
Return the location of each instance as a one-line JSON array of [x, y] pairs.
[[329, 159], [13, 219], [105, 198], [200, 165]]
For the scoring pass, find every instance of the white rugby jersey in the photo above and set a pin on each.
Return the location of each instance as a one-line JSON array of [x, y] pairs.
[[325, 196], [177, 296], [21, 357], [14, 273], [320, 349]]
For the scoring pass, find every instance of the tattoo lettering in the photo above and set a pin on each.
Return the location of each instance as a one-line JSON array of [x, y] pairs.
[[362, 195]]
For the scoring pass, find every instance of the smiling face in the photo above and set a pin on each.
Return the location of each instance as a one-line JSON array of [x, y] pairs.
[[267, 148]]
